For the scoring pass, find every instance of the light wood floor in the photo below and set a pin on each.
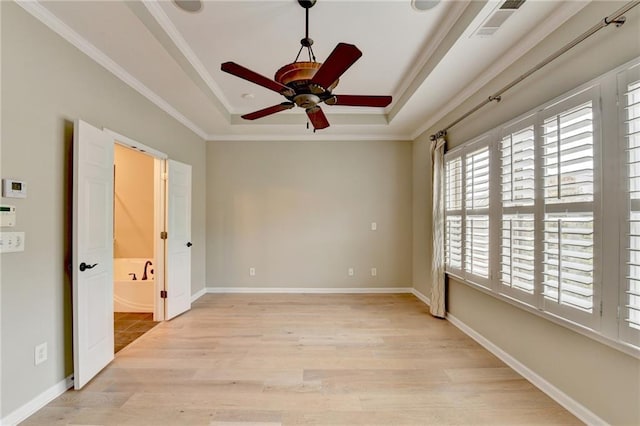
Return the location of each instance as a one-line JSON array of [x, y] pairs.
[[305, 360]]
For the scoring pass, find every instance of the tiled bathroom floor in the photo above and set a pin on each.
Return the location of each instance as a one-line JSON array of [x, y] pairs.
[[128, 326]]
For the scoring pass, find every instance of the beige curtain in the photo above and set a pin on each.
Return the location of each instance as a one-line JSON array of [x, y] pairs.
[[437, 262]]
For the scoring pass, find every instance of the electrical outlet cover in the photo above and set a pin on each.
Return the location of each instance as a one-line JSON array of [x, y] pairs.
[[40, 353]]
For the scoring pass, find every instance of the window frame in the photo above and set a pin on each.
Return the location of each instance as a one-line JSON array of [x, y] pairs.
[[461, 153], [625, 77], [517, 125], [604, 323], [576, 98]]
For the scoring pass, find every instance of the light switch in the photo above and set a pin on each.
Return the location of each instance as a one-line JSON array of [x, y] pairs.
[[11, 242]]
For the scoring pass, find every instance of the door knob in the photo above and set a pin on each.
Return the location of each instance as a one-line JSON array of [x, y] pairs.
[[189, 244], [84, 266]]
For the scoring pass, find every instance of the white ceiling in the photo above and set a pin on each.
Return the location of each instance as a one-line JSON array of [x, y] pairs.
[[429, 61]]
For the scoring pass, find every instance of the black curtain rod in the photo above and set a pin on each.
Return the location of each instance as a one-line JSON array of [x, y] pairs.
[[615, 18]]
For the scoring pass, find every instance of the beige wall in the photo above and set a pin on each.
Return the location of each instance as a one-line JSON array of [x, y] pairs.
[[604, 380], [46, 84], [133, 204], [301, 213]]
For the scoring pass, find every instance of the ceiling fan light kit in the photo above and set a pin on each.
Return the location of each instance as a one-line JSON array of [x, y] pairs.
[[307, 84]]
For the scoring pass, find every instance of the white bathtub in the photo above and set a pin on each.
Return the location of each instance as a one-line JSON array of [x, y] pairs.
[[132, 295]]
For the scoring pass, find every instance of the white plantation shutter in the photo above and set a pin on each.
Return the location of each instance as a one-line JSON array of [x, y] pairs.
[[453, 242], [476, 252], [568, 260], [517, 240], [518, 172], [568, 177], [630, 116], [517, 257], [568, 153], [453, 214], [476, 243], [541, 213]]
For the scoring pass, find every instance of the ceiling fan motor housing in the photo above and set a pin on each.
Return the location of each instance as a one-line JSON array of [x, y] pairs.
[[298, 76]]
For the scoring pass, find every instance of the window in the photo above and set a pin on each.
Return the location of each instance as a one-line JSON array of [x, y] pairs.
[[453, 214], [476, 242], [567, 138], [467, 214], [517, 248], [561, 188], [629, 89]]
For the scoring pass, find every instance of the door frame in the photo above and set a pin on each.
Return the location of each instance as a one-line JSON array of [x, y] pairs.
[[159, 196]]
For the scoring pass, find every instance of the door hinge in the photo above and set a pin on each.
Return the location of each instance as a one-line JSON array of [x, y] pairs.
[[165, 176], [601, 308], [163, 235], [163, 294]]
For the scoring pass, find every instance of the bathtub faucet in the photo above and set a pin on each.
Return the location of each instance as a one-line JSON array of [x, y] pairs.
[[146, 264], [133, 275]]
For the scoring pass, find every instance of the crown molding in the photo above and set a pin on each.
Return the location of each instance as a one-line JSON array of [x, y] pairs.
[[561, 15], [156, 11], [41, 13], [420, 71]]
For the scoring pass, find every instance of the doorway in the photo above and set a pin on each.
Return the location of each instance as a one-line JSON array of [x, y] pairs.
[[93, 243], [134, 245]]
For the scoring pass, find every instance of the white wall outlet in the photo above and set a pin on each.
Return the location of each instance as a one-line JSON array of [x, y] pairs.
[[252, 272], [374, 226], [374, 272], [40, 353], [351, 272]]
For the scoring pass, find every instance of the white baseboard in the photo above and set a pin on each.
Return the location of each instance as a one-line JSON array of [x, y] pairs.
[[573, 406], [38, 402], [421, 296], [320, 290], [198, 294]]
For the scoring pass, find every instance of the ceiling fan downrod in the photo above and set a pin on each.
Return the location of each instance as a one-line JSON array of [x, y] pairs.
[[306, 41]]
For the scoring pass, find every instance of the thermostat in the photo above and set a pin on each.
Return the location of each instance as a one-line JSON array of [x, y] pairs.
[[7, 215], [14, 188]]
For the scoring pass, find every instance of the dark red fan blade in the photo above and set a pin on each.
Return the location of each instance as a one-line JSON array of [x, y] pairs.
[[342, 57], [268, 111], [355, 100], [317, 118], [254, 77]]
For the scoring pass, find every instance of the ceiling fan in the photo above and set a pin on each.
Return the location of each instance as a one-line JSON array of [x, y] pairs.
[[309, 83]]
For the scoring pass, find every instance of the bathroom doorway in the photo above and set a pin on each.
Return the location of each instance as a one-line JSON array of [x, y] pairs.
[[134, 244], [93, 241]]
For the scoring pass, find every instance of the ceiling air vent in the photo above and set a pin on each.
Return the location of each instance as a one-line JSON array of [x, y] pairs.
[[497, 18]]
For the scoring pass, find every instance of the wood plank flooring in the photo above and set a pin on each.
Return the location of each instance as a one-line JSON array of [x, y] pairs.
[[312, 359]]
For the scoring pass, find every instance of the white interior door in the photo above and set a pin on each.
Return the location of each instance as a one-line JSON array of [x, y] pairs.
[[92, 277], [178, 264]]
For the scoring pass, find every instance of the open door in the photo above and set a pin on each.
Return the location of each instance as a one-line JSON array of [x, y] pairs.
[[92, 261], [178, 248]]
